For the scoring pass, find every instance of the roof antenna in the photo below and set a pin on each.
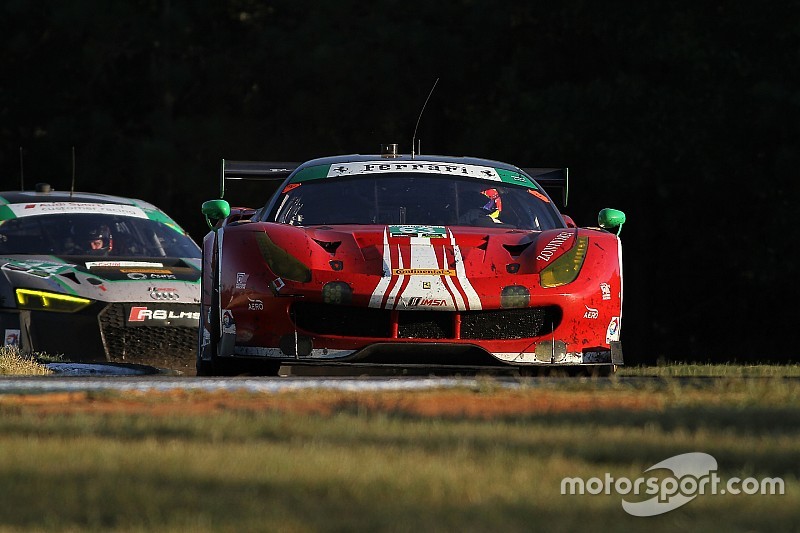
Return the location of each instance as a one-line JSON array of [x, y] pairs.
[[72, 189], [414, 138], [21, 175]]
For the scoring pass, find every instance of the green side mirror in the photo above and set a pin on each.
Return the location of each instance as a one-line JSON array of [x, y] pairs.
[[216, 210], [611, 218]]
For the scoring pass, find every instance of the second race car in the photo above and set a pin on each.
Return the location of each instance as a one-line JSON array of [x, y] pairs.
[[94, 277]]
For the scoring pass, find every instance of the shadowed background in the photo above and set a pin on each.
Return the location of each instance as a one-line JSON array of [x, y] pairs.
[[684, 116]]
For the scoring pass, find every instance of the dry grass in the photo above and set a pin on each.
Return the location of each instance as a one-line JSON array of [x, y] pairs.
[[470, 459], [14, 363]]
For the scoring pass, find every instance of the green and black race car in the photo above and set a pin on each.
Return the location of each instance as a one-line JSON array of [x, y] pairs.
[[94, 277]]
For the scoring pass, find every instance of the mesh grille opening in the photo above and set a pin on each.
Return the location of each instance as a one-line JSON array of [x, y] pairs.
[[509, 323], [143, 341], [324, 319]]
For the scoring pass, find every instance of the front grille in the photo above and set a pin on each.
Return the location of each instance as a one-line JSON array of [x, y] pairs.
[[425, 325], [121, 341], [501, 324], [509, 323], [342, 320]]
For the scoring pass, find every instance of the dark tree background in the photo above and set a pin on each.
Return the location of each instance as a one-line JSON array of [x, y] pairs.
[[683, 114]]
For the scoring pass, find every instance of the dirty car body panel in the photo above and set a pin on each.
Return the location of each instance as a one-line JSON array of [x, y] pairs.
[[428, 260]]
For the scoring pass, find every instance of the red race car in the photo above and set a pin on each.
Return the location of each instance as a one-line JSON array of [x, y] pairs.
[[407, 261]]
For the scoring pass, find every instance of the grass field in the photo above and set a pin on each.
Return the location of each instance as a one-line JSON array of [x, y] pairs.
[[484, 458]]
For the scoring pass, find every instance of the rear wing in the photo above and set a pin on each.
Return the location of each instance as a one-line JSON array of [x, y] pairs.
[[552, 179], [254, 171]]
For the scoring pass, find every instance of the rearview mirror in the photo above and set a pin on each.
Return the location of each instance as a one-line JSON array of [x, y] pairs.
[[611, 218], [216, 210]]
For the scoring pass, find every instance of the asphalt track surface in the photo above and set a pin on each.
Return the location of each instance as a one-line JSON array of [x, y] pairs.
[[69, 377], [73, 377]]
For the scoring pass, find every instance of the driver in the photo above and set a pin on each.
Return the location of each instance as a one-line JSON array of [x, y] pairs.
[[99, 241], [479, 208]]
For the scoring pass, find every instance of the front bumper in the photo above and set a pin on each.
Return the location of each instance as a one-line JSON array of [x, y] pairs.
[[100, 332]]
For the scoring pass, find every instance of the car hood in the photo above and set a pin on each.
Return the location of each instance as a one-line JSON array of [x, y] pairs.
[[176, 280], [388, 250]]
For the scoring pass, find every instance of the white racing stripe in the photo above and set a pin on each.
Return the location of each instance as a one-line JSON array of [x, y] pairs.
[[428, 282]]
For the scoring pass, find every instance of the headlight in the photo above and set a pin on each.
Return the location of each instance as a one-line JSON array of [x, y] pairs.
[[514, 297], [282, 262], [50, 301], [337, 292], [567, 267]]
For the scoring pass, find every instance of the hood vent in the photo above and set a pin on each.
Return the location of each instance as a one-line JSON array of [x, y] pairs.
[[516, 249], [329, 246]]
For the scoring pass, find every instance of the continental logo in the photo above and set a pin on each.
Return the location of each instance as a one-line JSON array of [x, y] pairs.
[[423, 272]]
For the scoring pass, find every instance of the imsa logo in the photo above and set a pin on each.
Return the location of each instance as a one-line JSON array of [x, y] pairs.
[[425, 302]]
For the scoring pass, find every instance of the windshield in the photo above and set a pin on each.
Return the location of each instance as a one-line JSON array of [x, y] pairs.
[[414, 199], [94, 234]]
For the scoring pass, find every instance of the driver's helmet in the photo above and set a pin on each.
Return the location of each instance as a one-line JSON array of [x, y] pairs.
[[495, 203], [98, 240]]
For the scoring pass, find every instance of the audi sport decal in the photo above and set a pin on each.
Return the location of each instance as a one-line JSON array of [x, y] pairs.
[[422, 273], [47, 208]]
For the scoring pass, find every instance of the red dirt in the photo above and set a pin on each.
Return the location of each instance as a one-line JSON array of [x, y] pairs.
[[446, 403]]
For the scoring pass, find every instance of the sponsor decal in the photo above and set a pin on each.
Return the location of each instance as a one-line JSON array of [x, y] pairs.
[[164, 293], [547, 252], [591, 312], [42, 269], [145, 314], [418, 301], [277, 284], [12, 337], [228, 324], [423, 272], [430, 269], [152, 275], [146, 270], [605, 288], [141, 264], [612, 332], [255, 305], [48, 208], [408, 230], [539, 195], [402, 167], [241, 280]]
